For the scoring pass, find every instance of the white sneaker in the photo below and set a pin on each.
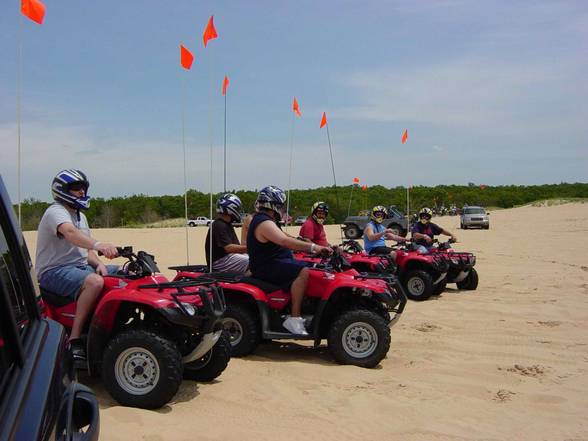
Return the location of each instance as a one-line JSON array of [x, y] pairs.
[[295, 325]]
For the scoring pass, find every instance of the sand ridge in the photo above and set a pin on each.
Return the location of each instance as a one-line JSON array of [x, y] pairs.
[[506, 362]]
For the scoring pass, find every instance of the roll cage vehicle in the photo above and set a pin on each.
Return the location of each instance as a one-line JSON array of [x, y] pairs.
[[353, 226], [39, 397], [146, 333], [353, 311]]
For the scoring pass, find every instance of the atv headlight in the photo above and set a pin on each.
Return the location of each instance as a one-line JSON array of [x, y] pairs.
[[189, 308]]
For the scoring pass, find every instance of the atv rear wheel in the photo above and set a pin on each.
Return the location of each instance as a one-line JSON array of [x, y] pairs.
[[212, 364], [470, 282], [142, 369], [242, 327], [352, 232], [418, 285], [360, 337]]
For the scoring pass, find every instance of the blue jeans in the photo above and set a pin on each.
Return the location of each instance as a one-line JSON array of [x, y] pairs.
[[68, 280]]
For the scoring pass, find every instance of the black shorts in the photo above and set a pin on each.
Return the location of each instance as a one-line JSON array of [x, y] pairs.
[[280, 272]]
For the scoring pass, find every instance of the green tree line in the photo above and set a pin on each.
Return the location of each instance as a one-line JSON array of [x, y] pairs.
[[136, 210]]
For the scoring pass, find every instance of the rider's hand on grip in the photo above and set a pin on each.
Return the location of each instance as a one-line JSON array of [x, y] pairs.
[[323, 251], [106, 249]]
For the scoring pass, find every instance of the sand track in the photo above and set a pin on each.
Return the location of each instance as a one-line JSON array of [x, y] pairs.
[[506, 362]]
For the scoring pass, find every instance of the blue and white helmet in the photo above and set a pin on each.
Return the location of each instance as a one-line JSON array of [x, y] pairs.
[[229, 204], [63, 183], [272, 198]]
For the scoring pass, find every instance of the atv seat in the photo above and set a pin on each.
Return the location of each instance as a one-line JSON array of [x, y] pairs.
[[381, 251], [55, 299], [266, 287]]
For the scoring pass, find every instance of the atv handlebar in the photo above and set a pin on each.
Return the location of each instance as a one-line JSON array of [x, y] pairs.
[[137, 265]]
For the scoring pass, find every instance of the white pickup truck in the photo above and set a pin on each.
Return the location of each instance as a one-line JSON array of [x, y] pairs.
[[200, 220]]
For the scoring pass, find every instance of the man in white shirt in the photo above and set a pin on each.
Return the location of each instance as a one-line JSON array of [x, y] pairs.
[[66, 261]]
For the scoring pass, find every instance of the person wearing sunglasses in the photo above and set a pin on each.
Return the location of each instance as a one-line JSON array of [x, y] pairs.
[[375, 234], [424, 231]]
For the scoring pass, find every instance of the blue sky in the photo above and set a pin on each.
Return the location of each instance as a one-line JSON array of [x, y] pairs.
[[491, 92]]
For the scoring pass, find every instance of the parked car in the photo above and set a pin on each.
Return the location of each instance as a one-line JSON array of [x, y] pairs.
[[199, 221], [39, 399], [353, 226], [474, 217], [300, 220]]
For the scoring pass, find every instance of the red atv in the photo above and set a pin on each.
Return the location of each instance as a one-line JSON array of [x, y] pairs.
[[147, 333], [461, 266], [422, 275], [353, 311]]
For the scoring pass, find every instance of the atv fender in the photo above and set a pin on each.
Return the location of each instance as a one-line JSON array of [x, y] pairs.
[[461, 276], [104, 319]]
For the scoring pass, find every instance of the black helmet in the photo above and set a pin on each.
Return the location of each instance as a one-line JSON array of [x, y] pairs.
[[67, 180], [319, 206], [425, 213]]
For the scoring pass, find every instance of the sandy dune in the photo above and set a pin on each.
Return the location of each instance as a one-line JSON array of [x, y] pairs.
[[506, 362]]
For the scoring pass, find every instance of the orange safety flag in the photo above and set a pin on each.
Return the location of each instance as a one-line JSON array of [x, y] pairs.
[[296, 108], [33, 9], [210, 31], [186, 57], [404, 136], [356, 180], [225, 85], [324, 120]]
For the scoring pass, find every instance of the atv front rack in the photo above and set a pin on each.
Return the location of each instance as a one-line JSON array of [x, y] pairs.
[[212, 295], [397, 293], [190, 268]]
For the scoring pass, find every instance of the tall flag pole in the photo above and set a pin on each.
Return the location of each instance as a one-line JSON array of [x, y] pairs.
[[403, 139], [355, 182], [210, 34], [324, 123], [295, 112], [224, 92], [186, 60], [35, 11]]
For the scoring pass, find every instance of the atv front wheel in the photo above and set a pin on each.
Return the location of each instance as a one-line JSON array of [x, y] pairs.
[[360, 337], [142, 369], [418, 285], [242, 326], [440, 287], [212, 364], [470, 282]]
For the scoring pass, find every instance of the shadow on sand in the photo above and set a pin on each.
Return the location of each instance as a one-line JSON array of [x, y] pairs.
[[277, 351], [188, 391]]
